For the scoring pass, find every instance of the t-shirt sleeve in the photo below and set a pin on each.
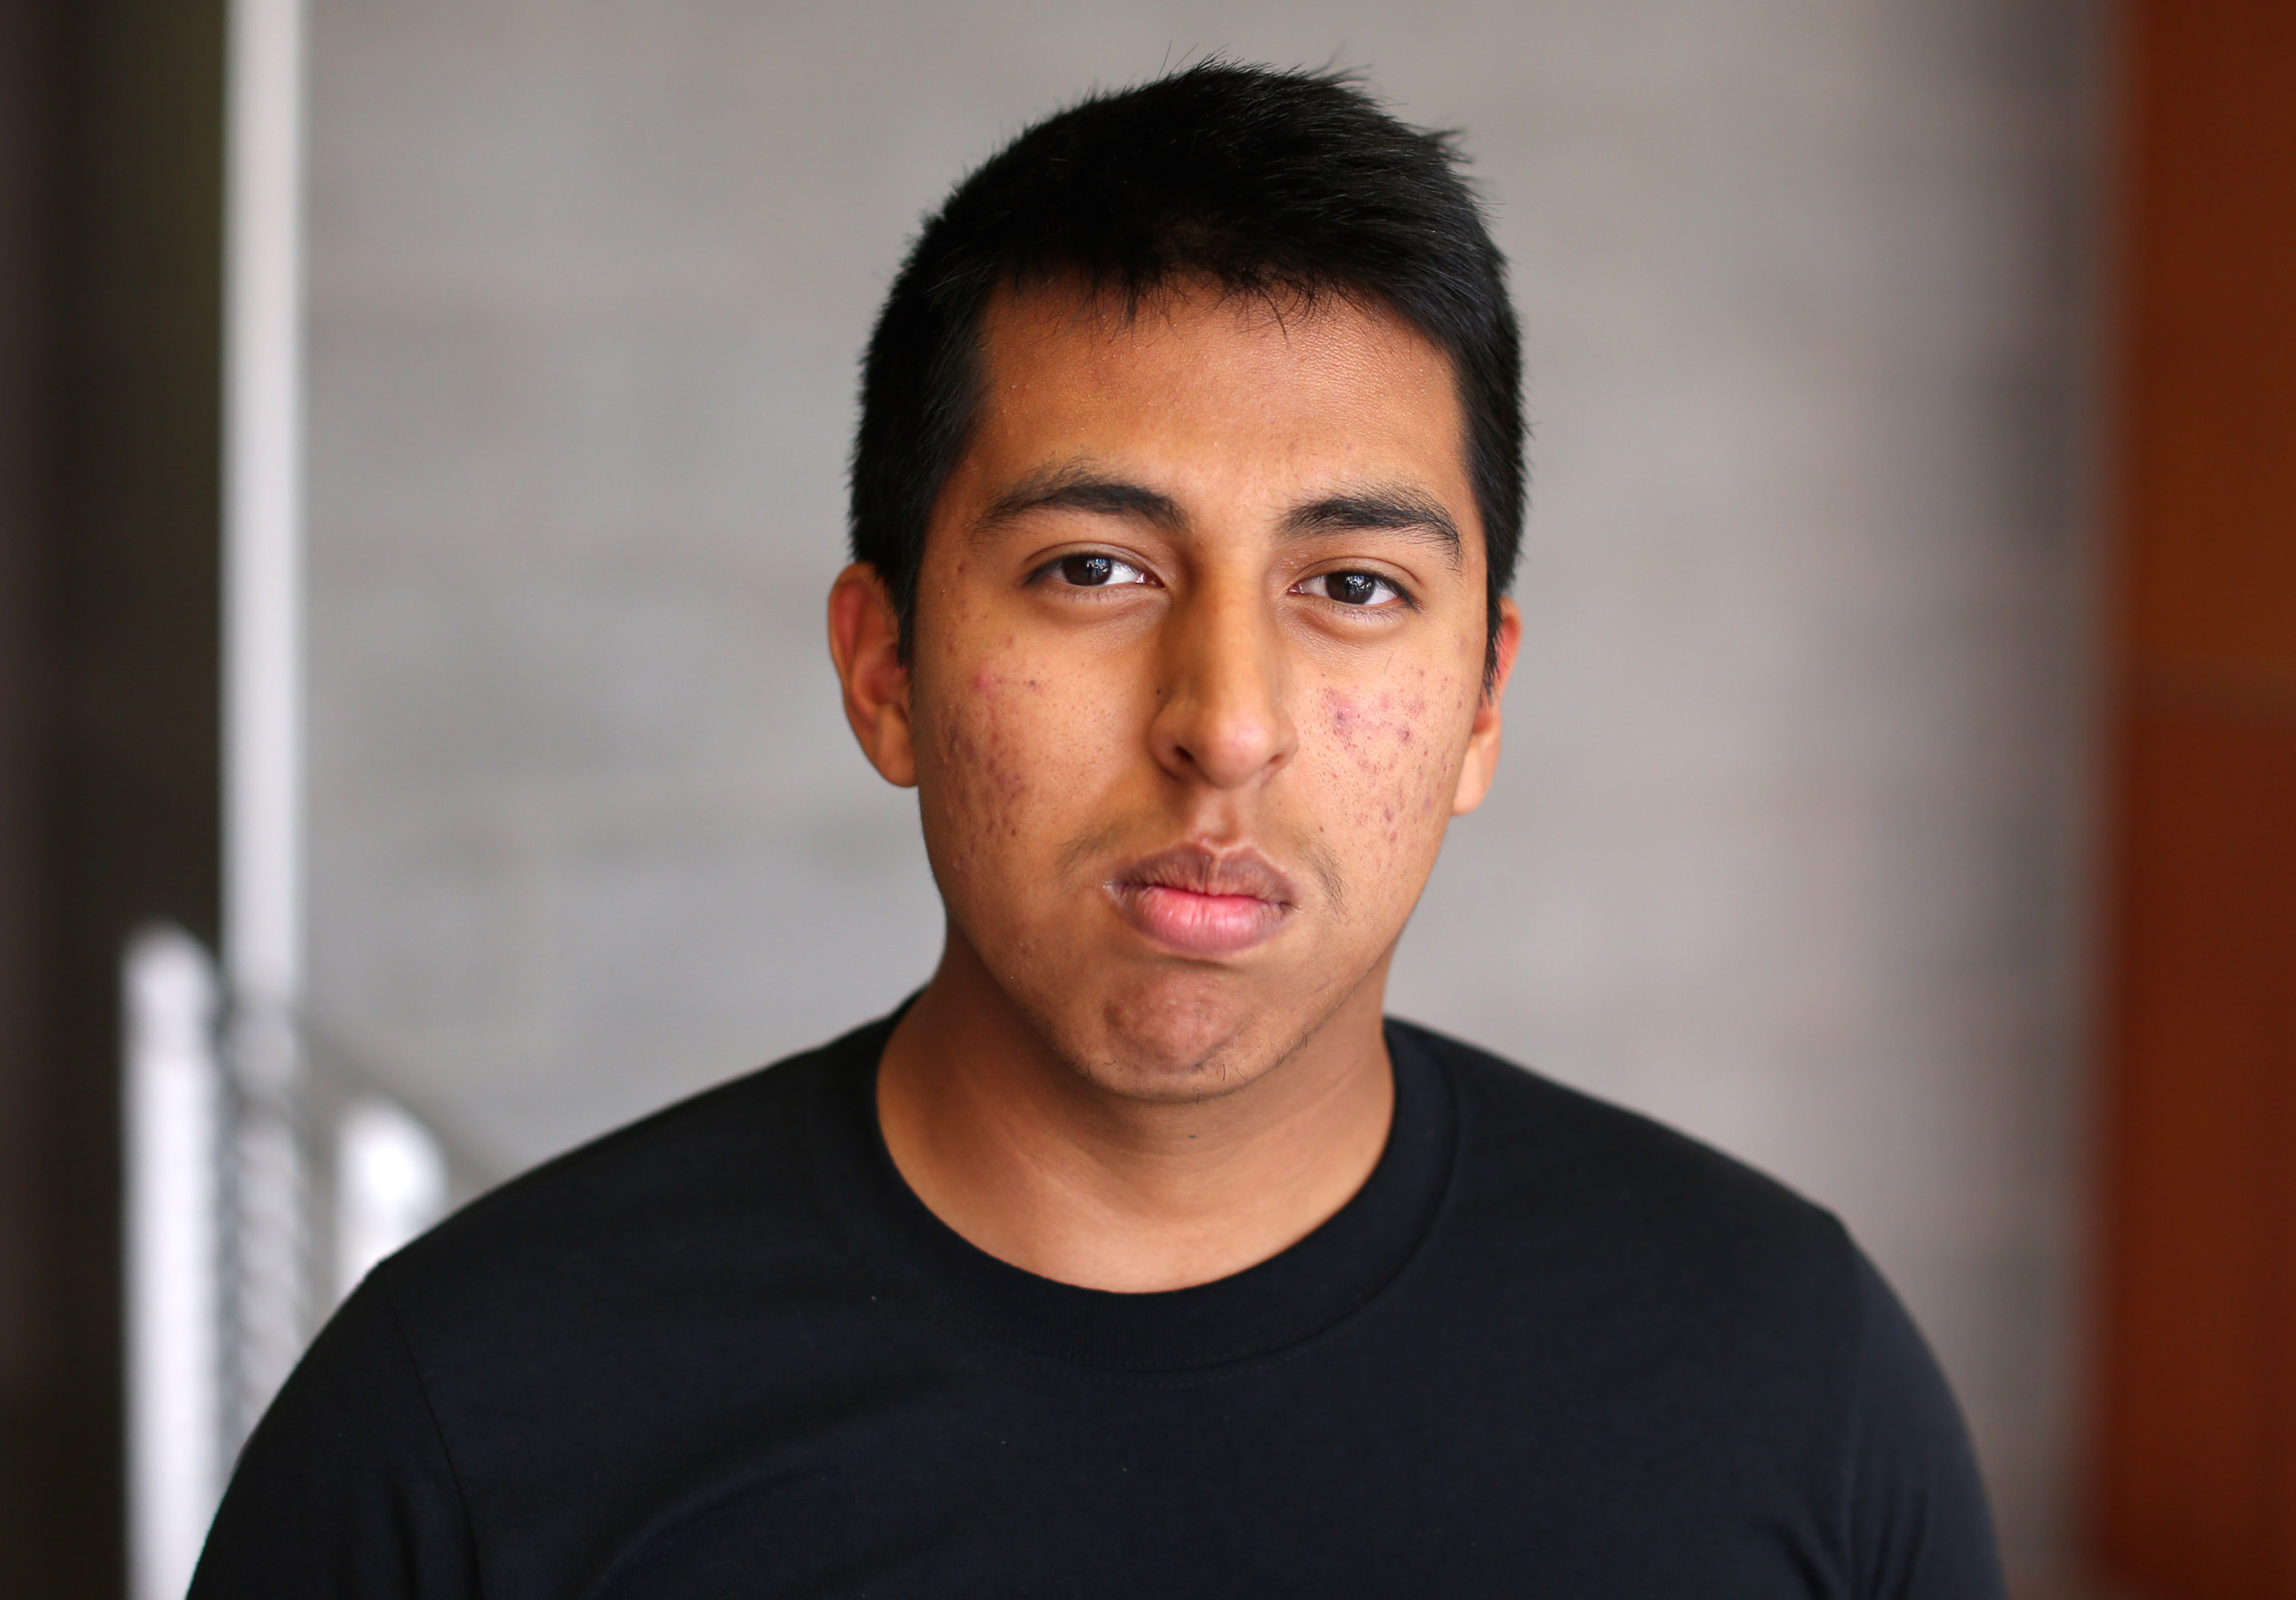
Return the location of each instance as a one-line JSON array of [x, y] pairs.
[[1919, 1523], [345, 1488]]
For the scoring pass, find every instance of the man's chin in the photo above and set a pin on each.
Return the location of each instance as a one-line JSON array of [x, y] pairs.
[[1139, 1025], [1180, 1041], [1173, 1081]]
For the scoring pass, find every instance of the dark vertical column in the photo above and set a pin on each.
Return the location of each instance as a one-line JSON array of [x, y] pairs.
[[30, 291], [111, 175], [2197, 1431]]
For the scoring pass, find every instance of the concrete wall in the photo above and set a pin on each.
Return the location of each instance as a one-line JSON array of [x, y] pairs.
[[1787, 846]]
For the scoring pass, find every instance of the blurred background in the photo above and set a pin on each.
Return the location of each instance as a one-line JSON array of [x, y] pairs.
[[422, 437]]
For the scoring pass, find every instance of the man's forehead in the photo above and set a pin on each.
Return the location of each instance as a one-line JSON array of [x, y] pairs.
[[1201, 380]]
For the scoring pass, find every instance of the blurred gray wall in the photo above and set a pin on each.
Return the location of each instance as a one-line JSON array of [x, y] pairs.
[[1788, 839]]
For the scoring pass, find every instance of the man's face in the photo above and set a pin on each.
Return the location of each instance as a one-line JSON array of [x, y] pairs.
[[1196, 674]]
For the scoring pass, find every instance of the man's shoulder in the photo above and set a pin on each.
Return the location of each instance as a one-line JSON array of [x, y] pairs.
[[1550, 1170], [721, 1174]]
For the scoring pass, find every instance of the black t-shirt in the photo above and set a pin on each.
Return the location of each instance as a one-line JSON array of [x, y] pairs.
[[1549, 1349]]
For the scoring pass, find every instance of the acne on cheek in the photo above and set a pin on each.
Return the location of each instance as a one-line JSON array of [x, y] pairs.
[[1368, 731], [1379, 736], [1001, 774], [982, 784]]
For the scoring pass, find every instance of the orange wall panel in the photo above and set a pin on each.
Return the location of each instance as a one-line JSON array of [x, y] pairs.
[[2196, 1401], [2199, 1446]]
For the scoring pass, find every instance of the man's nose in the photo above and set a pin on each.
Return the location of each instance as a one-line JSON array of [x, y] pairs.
[[1224, 720]]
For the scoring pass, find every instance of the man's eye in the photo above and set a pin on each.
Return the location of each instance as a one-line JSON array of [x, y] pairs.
[[1096, 571], [1354, 588]]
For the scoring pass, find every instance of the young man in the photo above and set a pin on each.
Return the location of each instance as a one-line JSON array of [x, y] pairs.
[[1138, 1255]]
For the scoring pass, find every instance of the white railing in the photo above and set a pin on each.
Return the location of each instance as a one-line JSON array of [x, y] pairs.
[[263, 1181], [172, 1112]]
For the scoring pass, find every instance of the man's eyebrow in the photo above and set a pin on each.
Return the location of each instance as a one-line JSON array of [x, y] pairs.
[[1401, 510], [1082, 488]]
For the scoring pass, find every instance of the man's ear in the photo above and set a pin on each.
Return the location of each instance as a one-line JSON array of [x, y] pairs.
[[1481, 760], [865, 640]]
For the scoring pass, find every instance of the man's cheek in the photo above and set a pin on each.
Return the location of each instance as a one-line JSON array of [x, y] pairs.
[[1387, 748], [979, 786], [1004, 747]]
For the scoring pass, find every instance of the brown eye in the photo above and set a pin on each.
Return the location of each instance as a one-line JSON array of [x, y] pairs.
[[1357, 588], [1096, 571]]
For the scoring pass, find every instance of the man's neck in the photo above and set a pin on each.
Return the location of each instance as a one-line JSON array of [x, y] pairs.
[[1028, 1160]]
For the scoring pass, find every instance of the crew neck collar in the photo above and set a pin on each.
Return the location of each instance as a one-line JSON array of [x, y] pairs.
[[1336, 1270]]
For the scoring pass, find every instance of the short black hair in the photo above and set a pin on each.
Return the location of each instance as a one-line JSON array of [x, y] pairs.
[[1283, 184]]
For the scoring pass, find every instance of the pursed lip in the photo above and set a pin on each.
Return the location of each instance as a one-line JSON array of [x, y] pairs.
[[1197, 901]]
